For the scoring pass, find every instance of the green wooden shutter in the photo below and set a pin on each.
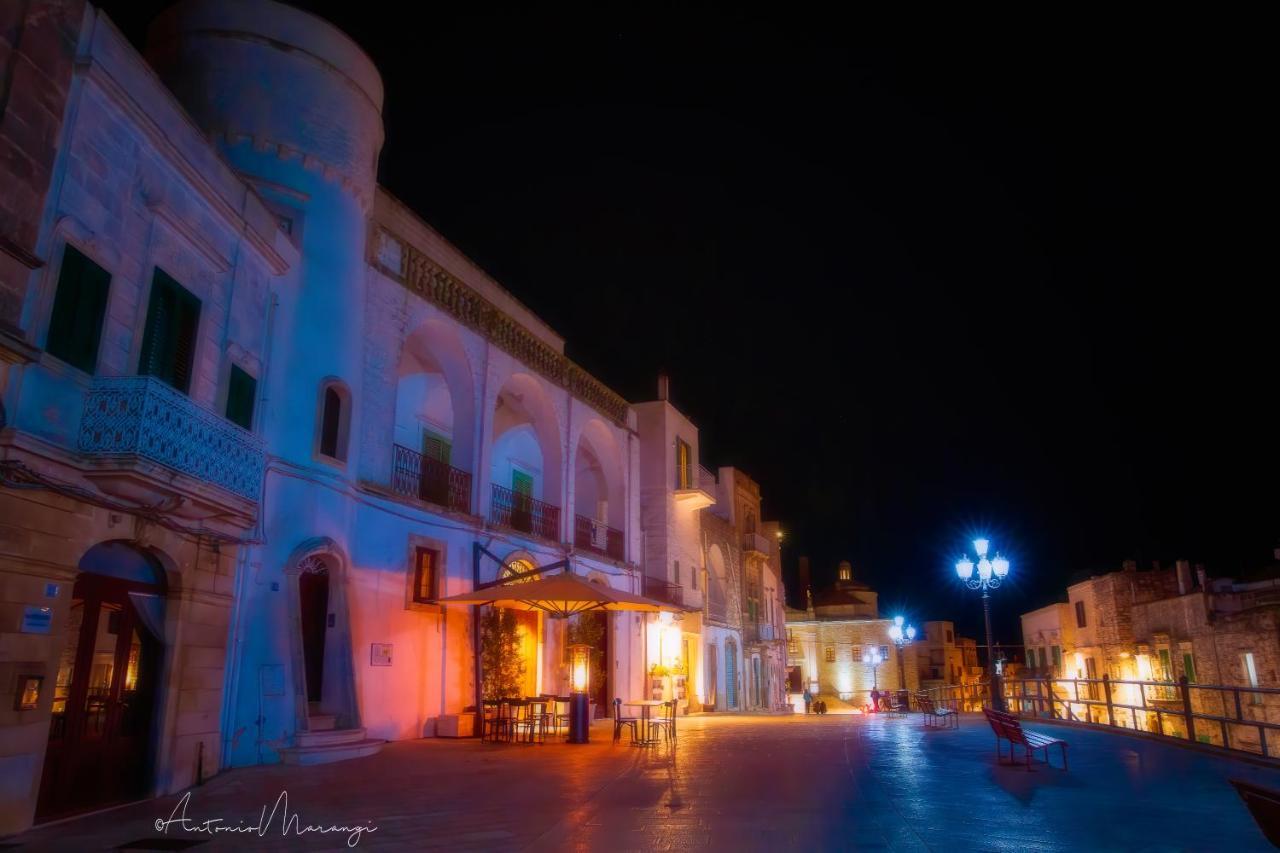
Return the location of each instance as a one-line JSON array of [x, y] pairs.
[[436, 447], [169, 342], [75, 327], [522, 483], [241, 390]]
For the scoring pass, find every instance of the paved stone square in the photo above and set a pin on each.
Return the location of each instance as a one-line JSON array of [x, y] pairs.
[[732, 783]]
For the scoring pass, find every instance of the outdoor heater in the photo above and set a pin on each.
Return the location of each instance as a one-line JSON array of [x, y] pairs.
[[580, 695]]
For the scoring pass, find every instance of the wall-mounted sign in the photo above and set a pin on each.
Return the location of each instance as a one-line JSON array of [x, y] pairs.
[[28, 692], [36, 619], [380, 654]]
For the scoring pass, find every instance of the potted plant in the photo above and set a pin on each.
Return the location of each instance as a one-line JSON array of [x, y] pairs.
[[657, 684]]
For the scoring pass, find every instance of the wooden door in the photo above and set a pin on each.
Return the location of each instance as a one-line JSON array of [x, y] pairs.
[[100, 744], [313, 595]]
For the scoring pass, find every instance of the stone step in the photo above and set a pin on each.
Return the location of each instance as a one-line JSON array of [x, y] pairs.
[[309, 755], [321, 722], [328, 737]]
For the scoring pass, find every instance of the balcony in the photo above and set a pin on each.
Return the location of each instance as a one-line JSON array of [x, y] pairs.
[[753, 544], [700, 490], [661, 590], [592, 535], [767, 633], [131, 421], [523, 513], [430, 480]]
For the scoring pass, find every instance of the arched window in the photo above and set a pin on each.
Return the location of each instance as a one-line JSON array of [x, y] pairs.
[[335, 417]]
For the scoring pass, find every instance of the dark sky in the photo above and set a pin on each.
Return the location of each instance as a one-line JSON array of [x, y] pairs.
[[919, 284]]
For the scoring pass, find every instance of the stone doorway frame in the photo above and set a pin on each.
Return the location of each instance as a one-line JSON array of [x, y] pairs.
[[322, 553]]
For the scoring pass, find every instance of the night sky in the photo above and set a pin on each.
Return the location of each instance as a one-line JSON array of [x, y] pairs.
[[918, 284]]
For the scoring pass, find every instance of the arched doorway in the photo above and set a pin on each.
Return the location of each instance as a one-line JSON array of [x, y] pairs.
[[731, 674], [320, 638], [101, 748], [313, 599]]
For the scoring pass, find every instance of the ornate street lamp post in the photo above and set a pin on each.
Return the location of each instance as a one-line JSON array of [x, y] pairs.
[[871, 657], [902, 637], [990, 574]]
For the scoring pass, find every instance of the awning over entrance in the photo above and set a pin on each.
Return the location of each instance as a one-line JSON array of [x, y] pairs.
[[560, 596]]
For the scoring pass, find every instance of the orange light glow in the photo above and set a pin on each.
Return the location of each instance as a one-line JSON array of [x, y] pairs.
[[580, 668]]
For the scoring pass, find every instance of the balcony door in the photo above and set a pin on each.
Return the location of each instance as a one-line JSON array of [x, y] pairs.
[[101, 748], [712, 675], [731, 675]]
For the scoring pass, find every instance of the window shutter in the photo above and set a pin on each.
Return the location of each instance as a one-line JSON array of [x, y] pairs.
[[241, 390], [169, 342], [79, 305]]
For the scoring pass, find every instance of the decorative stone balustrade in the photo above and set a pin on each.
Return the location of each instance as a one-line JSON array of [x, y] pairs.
[[143, 417], [404, 263]]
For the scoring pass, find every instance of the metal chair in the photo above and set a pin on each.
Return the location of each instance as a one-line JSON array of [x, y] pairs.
[[667, 721], [619, 721]]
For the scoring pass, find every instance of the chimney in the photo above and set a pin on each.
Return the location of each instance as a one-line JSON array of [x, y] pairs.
[[664, 386], [1184, 576], [1130, 565]]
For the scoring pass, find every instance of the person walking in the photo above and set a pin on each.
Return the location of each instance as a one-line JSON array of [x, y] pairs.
[[808, 700]]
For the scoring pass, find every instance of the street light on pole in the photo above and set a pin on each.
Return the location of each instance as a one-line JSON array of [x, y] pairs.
[[989, 575], [902, 637], [871, 657]]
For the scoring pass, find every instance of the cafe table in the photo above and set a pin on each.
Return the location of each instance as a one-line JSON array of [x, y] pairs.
[[643, 731]]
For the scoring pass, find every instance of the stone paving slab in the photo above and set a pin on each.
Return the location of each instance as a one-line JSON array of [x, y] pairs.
[[731, 783]]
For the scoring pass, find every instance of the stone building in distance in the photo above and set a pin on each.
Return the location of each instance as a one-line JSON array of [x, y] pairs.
[[827, 640], [1161, 626]]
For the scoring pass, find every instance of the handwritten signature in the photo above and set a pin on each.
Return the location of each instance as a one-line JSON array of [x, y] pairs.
[[289, 822]]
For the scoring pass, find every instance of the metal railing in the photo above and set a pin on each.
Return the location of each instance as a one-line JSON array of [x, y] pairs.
[[140, 416], [707, 480], [717, 608], [428, 479], [661, 590], [523, 513], [1228, 716], [597, 536], [755, 542]]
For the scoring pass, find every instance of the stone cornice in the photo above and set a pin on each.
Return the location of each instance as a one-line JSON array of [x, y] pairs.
[[423, 276], [107, 84]]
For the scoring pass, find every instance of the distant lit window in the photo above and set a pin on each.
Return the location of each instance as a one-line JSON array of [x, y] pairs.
[[857, 652], [684, 465], [831, 654], [1189, 667], [1057, 657], [1251, 675]]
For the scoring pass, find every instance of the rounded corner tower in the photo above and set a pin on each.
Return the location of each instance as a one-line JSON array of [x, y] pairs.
[[295, 106]]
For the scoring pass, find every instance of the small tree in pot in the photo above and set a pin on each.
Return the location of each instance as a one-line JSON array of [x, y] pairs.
[[500, 658]]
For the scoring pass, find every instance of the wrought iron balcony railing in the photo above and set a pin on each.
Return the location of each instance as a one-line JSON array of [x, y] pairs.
[[427, 479], [597, 536], [140, 416], [755, 543], [523, 513], [660, 590]]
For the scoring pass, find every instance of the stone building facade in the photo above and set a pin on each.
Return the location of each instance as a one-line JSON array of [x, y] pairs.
[[827, 642], [258, 418], [1161, 626], [126, 492]]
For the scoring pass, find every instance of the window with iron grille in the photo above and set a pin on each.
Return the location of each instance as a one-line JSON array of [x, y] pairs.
[[425, 569]]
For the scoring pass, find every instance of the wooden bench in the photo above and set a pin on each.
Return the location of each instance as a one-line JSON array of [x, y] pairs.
[[935, 713], [1008, 727]]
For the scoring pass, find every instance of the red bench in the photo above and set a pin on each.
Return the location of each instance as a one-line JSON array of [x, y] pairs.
[[1008, 727]]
